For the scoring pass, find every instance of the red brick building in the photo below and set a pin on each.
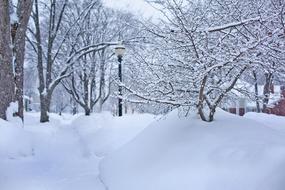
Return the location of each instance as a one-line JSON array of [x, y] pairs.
[[276, 104], [278, 108]]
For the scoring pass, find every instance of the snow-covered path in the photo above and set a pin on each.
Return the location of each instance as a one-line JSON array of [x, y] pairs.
[[173, 152], [61, 161], [64, 154]]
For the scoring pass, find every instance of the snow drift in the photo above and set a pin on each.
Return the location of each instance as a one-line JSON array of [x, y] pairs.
[[14, 141], [231, 153], [270, 120], [104, 133], [64, 153]]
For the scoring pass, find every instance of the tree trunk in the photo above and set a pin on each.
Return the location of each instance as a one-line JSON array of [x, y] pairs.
[[201, 99], [212, 106], [23, 12], [101, 105], [267, 89], [256, 92], [102, 81], [211, 114], [45, 105], [74, 106], [6, 69], [74, 110], [87, 111]]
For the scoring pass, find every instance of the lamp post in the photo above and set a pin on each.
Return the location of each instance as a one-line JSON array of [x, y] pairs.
[[120, 50]]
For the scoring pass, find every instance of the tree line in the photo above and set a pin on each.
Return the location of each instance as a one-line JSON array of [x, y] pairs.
[[191, 57]]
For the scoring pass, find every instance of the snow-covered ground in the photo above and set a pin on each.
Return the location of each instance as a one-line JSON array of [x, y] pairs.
[[145, 152], [63, 154], [231, 153], [270, 120]]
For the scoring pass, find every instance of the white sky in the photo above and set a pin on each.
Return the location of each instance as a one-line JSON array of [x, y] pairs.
[[138, 7]]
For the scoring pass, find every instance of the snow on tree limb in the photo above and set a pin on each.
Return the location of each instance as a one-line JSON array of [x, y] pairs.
[[233, 24]]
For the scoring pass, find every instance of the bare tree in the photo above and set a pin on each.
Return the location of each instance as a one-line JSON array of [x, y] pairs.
[[199, 50], [56, 56], [23, 12], [87, 81]]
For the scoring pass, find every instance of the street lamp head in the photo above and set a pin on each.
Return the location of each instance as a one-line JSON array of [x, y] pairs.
[[120, 50]]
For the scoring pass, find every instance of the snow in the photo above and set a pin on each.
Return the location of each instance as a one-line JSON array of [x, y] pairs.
[[61, 154], [184, 153], [14, 141], [13, 17], [112, 132], [13, 108], [143, 151], [233, 24], [270, 120]]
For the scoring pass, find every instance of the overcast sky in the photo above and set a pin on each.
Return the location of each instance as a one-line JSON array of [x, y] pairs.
[[138, 7]]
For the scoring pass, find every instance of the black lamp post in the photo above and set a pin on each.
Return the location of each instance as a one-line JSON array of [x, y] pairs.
[[120, 50]]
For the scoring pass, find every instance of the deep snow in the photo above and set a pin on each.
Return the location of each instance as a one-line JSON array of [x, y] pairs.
[[106, 152], [63, 154], [270, 120], [231, 153]]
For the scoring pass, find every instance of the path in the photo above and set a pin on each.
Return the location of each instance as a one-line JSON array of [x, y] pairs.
[[61, 161], [66, 151]]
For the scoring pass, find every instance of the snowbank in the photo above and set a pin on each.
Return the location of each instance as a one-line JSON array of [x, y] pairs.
[[58, 162], [231, 153], [64, 151], [103, 133], [270, 120], [14, 141]]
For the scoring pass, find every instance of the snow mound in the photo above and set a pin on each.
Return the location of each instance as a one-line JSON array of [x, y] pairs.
[[92, 122], [272, 121], [64, 150], [103, 133], [14, 141], [231, 153]]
